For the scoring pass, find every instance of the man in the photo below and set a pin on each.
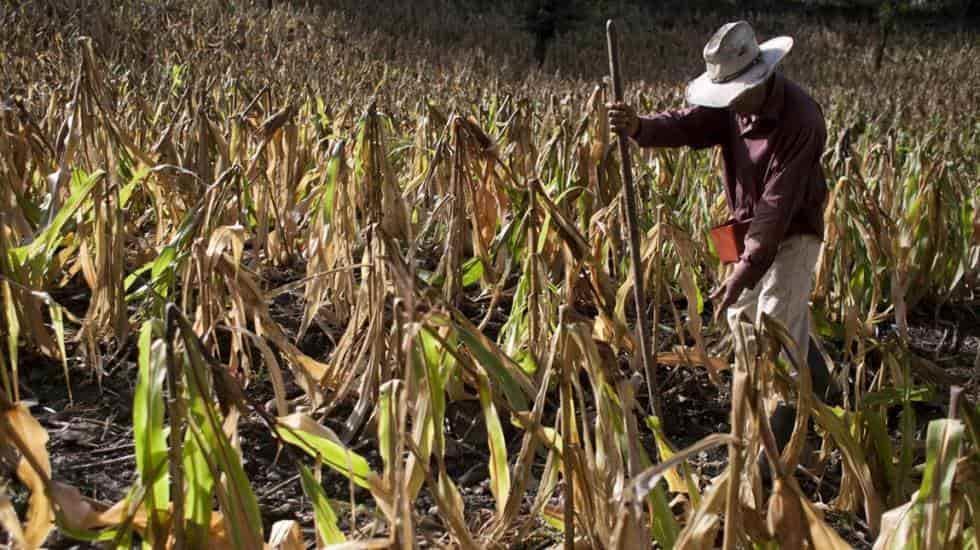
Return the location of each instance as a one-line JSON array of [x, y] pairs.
[[771, 134]]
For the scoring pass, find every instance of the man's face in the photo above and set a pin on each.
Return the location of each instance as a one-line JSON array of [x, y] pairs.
[[751, 101]]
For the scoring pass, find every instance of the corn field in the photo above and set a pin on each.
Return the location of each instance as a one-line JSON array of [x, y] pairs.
[[315, 253]]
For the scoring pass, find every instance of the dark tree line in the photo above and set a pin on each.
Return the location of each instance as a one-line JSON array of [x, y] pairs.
[[544, 19]]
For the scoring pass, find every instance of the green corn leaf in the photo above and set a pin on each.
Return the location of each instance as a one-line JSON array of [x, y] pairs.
[[943, 441], [40, 252], [313, 439], [149, 434], [508, 377], [439, 366], [472, 272], [970, 539], [553, 518], [527, 362], [663, 525], [205, 427], [199, 491], [514, 332], [907, 455], [499, 472], [331, 177], [127, 190], [680, 479], [164, 266], [326, 520], [883, 447], [923, 521], [385, 411], [429, 412], [893, 396]]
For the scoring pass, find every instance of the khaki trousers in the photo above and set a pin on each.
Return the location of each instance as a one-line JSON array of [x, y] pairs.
[[783, 292]]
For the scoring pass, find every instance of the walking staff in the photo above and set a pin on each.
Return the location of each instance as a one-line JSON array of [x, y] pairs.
[[771, 134], [629, 192]]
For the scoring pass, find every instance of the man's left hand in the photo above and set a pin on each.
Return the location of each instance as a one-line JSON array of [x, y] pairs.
[[728, 293]]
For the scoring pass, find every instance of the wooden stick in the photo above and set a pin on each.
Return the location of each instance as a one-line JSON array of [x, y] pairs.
[[632, 223]]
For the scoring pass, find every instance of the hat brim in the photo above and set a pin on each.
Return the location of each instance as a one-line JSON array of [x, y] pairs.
[[702, 91]]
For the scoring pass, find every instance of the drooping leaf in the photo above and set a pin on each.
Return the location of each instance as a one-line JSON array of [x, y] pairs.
[[499, 472], [317, 441], [26, 434]]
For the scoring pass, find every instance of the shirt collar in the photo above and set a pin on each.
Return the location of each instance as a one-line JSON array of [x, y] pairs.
[[771, 110]]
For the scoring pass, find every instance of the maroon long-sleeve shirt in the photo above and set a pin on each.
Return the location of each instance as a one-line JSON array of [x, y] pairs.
[[772, 170]]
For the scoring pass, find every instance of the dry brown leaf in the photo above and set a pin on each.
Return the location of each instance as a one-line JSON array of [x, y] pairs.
[[31, 439], [785, 516], [10, 522], [609, 330], [83, 513], [700, 534], [286, 535], [822, 536], [372, 544]]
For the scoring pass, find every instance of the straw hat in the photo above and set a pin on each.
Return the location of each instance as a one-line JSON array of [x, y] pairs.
[[735, 63]]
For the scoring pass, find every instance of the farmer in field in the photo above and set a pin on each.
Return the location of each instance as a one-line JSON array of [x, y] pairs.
[[771, 134]]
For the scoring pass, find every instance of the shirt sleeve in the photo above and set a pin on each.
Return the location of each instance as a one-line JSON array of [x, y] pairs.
[[793, 162], [696, 127]]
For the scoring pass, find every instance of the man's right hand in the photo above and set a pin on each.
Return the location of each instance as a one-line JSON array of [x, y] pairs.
[[623, 119]]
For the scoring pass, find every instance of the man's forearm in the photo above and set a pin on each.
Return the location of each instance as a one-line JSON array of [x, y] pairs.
[[696, 127]]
